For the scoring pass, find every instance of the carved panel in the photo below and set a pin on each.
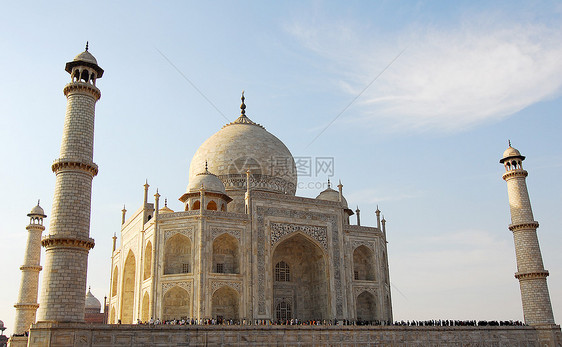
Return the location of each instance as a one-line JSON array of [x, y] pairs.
[[287, 299], [182, 284], [219, 231], [368, 244], [278, 230], [357, 290], [258, 181], [184, 231], [236, 285]]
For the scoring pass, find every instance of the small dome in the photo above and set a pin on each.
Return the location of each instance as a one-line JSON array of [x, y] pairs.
[[86, 57], [209, 181], [37, 211], [91, 302], [511, 152], [331, 195], [165, 209]]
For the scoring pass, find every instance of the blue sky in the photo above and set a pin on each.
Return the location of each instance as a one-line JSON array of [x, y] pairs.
[[422, 141]]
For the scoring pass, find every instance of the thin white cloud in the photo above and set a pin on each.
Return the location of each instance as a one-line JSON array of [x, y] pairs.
[[448, 79]]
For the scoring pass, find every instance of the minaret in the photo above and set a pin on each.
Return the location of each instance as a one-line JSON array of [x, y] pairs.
[[530, 270], [27, 305], [68, 243], [340, 190], [123, 214]]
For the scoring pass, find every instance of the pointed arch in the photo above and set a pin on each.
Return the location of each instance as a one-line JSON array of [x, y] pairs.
[[363, 264], [115, 280], [226, 254], [128, 290], [212, 205], [175, 304], [147, 267], [145, 307], [307, 237], [196, 205], [225, 303], [177, 255]]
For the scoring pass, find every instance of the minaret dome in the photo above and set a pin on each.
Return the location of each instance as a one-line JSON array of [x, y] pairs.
[[84, 68]]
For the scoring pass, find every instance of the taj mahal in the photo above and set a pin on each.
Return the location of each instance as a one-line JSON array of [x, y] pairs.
[[243, 249]]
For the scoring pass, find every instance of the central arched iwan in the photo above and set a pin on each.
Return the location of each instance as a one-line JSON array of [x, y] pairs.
[[303, 281]]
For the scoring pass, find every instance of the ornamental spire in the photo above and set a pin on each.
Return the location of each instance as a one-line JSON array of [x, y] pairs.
[[243, 119], [243, 105], [86, 46]]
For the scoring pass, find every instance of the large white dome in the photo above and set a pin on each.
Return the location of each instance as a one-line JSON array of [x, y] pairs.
[[243, 145]]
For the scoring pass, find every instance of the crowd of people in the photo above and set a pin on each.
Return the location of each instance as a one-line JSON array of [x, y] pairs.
[[344, 322], [458, 323]]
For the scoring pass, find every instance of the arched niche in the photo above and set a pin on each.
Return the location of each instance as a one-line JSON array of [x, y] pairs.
[[128, 291], [176, 304], [145, 307], [307, 288], [226, 254], [147, 261], [177, 255], [115, 281], [225, 303], [363, 264], [366, 307]]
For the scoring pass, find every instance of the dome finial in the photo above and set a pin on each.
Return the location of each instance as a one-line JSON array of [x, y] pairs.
[[509, 143], [166, 202], [243, 105], [206, 167], [329, 184], [86, 46], [38, 201]]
